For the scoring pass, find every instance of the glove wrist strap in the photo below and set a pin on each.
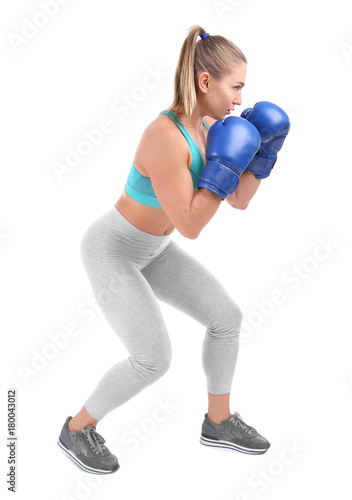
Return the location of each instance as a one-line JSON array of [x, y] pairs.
[[261, 167], [219, 178]]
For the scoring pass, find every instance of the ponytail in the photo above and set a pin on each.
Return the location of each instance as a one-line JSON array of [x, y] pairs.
[[214, 54]]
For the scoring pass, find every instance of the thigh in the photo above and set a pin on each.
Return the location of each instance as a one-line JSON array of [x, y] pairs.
[[178, 279], [129, 305], [112, 257]]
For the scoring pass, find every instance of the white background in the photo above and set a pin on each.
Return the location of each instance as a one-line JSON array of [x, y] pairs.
[[293, 379]]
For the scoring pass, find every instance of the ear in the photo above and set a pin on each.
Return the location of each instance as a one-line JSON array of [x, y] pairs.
[[203, 82]]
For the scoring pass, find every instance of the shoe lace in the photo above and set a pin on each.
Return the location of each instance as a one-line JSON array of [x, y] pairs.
[[94, 439], [236, 419]]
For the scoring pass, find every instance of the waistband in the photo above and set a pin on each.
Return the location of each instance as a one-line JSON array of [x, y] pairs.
[[133, 231]]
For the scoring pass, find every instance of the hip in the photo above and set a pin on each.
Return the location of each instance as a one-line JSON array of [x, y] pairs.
[[112, 237]]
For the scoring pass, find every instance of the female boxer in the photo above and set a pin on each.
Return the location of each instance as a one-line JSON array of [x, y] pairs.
[[178, 179]]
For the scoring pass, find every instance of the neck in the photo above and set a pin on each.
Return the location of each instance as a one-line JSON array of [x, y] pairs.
[[194, 121]]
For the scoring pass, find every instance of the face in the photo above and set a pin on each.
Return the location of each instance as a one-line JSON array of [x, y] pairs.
[[219, 98]]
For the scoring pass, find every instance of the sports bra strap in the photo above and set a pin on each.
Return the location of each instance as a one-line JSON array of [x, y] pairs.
[[191, 142], [178, 122]]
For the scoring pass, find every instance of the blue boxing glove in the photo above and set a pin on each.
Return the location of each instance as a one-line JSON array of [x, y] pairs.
[[273, 125], [231, 145]]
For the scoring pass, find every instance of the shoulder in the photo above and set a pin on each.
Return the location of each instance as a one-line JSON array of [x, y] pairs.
[[163, 127], [161, 139]]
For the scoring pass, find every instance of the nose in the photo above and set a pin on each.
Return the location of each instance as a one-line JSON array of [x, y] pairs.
[[238, 99]]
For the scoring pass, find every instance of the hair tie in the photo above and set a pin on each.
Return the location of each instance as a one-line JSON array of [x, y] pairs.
[[204, 36]]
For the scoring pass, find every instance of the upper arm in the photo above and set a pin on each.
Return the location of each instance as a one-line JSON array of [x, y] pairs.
[[164, 156]]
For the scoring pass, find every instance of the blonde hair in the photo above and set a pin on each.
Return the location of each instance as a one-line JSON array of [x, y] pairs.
[[215, 54]]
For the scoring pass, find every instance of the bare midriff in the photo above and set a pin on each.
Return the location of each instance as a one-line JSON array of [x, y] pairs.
[[148, 219]]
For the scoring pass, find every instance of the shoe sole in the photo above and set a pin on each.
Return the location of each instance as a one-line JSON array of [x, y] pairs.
[[83, 466], [227, 444]]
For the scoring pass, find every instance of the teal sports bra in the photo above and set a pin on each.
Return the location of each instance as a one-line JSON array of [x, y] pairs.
[[140, 188]]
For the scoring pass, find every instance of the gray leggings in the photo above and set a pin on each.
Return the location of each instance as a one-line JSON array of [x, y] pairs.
[[128, 270]]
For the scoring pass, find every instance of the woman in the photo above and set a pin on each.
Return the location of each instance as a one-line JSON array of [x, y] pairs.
[[131, 260]]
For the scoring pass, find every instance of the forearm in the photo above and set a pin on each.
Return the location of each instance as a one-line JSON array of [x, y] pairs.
[[245, 191], [204, 205]]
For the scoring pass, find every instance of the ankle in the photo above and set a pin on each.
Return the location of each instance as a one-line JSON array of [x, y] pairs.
[[72, 427], [217, 419]]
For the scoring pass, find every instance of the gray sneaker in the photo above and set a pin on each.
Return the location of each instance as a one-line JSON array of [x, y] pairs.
[[233, 433], [86, 448]]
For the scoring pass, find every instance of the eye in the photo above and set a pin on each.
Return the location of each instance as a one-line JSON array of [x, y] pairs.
[[238, 87]]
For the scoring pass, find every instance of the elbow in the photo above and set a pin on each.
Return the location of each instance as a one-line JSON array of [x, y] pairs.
[[188, 229], [191, 235], [193, 231], [189, 232], [240, 206]]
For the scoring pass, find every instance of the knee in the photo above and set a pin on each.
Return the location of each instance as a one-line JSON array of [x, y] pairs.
[[228, 323], [236, 316], [151, 368]]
